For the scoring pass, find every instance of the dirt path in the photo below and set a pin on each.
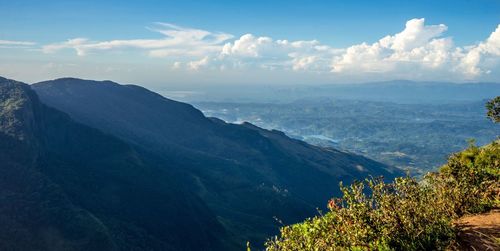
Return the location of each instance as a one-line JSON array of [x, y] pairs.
[[480, 232]]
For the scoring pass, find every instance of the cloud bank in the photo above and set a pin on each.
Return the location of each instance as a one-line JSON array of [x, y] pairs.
[[418, 51]]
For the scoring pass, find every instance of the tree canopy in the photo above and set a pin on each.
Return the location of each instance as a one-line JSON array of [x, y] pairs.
[[493, 107]]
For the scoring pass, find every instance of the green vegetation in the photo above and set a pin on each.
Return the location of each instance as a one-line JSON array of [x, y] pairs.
[[66, 186], [418, 137], [404, 214], [470, 179], [161, 176], [244, 174], [493, 107]]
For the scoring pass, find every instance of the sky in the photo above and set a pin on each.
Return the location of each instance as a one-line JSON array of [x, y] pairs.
[[163, 43]]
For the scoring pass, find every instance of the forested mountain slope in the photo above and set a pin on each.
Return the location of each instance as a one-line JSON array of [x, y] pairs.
[[65, 186], [247, 175]]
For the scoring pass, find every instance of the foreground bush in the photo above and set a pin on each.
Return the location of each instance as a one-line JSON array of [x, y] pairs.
[[404, 214], [470, 179], [395, 215]]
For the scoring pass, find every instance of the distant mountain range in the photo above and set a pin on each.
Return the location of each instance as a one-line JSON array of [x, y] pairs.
[[399, 91], [104, 166]]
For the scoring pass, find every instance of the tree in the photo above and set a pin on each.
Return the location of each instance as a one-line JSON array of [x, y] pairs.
[[493, 107]]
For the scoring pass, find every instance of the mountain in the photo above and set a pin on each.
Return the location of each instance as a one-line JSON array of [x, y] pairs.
[[66, 186], [398, 91], [246, 175], [412, 92]]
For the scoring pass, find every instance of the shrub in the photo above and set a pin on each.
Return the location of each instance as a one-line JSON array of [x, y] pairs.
[[404, 214], [470, 179], [493, 107], [394, 215]]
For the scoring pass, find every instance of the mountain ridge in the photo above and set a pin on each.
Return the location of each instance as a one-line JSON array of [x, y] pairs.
[[65, 186], [231, 167]]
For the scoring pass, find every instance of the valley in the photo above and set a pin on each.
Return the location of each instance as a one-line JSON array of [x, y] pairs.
[[417, 137]]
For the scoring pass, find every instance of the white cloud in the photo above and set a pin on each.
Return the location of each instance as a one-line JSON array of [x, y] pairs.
[[196, 65], [415, 34], [76, 43], [10, 42], [417, 45], [268, 53], [6, 44], [177, 41], [303, 63], [176, 65], [485, 53], [248, 46], [419, 51]]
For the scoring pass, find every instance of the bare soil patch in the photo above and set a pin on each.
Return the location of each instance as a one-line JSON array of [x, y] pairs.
[[480, 232]]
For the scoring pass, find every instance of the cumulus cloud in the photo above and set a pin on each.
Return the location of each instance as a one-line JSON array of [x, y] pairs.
[[485, 53], [415, 34], [269, 53], [249, 46], [418, 45], [418, 51]]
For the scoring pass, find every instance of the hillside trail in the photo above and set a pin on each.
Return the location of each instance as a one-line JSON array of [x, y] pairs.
[[480, 232]]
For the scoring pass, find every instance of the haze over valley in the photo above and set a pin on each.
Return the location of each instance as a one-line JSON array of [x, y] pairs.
[[411, 125]]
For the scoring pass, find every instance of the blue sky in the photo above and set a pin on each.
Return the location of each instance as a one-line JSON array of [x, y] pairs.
[[265, 41]]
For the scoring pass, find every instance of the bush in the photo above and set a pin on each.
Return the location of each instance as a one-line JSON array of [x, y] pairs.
[[470, 179], [493, 107], [395, 215], [404, 214]]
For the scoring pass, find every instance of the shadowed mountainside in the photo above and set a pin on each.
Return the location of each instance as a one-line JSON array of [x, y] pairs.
[[247, 175], [65, 186]]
